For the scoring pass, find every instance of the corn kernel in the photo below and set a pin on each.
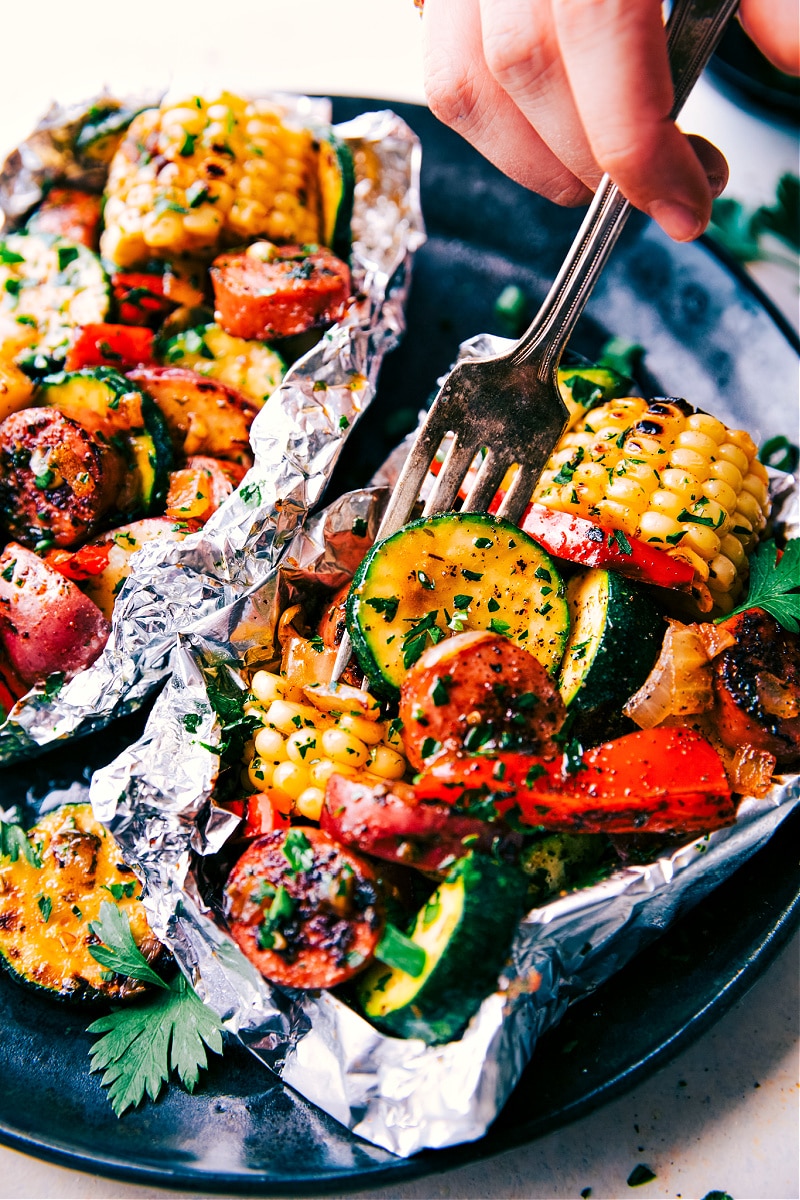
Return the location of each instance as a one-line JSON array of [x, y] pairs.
[[344, 748], [309, 803], [370, 732], [387, 763], [287, 717], [301, 745], [292, 778]]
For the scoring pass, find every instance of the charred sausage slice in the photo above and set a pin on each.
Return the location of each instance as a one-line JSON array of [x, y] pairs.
[[271, 291], [757, 687], [478, 691], [305, 911], [46, 622], [57, 480]]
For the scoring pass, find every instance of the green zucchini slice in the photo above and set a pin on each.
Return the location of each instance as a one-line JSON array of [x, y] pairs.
[[447, 574], [253, 368], [615, 636], [51, 893], [336, 188], [584, 386], [465, 930], [49, 286], [109, 404]]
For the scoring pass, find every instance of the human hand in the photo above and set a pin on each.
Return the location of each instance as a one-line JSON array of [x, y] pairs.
[[557, 92]]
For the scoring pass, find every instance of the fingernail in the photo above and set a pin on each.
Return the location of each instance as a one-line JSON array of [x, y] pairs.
[[679, 221]]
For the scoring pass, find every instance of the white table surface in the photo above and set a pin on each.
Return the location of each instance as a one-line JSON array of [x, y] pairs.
[[724, 1114]]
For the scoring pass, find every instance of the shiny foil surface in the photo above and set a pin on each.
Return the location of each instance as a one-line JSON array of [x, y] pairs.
[[296, 438]]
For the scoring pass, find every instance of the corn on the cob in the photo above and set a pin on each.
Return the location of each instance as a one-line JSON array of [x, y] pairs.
[[194, 176], [304, 739], [669, 475]]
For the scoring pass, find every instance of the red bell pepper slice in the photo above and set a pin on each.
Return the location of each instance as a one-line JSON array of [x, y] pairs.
[[104, 345], [652, 781], [262, 816], [80, 564], [141, 297], [578, 540]]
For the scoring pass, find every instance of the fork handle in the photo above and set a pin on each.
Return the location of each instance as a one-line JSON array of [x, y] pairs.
[[694, 29]]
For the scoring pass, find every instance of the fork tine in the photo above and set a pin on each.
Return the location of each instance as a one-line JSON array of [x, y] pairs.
[[519, 494], [490, 475], [455, 466]]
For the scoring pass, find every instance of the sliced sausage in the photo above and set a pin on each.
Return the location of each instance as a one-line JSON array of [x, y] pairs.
[[46, 622], [757, 687], [305, 911], [271, 291], [203, 415], [69, 213], [478, 691], [57, 481], [389, 822]]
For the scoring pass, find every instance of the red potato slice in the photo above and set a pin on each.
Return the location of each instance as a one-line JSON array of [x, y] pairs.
[[122, 543], [305, 911], [478, 687], [268, 291], [390, 823], [47, 625], [203, 415], [57, 481]]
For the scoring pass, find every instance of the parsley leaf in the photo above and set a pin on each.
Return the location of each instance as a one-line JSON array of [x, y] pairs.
[[142, 1044], [774, 585]]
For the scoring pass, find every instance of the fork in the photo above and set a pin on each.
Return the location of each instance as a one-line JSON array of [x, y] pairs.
[[508, 407]]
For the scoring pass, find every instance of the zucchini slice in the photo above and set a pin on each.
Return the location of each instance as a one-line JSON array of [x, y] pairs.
[[52, 285], [446, 574], [252, 367], [106, 403], [615, 635], [336, 188], [584, 386], [465, 930], [51, 895]]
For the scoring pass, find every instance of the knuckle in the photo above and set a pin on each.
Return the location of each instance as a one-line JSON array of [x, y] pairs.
[[451, 96]]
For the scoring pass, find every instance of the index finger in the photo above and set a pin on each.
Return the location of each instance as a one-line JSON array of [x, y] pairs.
[[615, 56]]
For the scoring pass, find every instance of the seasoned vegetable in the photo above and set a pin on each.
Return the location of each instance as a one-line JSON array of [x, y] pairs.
[[107, 345], [50, 896], [251, 367], [47, 625], [202, 173], [53, 286], [200, 487], [336, 188], [306, 912], [269, 291], [16, 390], [462, 942], [203, 416], [656, 781], [615, 635], [674, 477], [478, 691], [444, 574]]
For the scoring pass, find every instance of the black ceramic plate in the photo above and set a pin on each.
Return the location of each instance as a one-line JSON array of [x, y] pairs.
[[710, 337]]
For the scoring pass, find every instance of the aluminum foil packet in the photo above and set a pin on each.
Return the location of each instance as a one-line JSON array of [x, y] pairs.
[[296, 438], [403, 1095]]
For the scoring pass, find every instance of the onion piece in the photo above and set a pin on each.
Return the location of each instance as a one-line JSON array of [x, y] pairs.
[[681, 681], [750, 772]]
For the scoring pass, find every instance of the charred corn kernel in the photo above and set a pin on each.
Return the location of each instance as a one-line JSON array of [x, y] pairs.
[[266, 686], [309, 803], [369, 732], [721, 573], [260, 774], [291, 778], [387, 763], [301, 745], [344, 748], [661, 472], [319, 772], [288, 717], [202, 196]]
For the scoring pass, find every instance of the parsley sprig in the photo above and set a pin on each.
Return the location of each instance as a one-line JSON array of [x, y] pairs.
[[774, 584], [142, 1044]]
